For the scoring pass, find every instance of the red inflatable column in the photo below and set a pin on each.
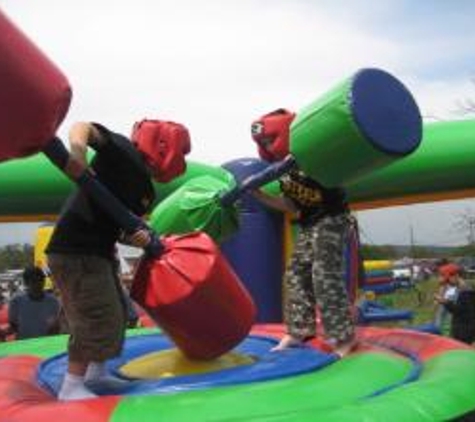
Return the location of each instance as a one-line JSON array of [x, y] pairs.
[[195, 297], [35, 95]]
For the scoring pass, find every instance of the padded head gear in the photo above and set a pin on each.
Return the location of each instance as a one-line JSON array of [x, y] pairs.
[[448, 271], [164, 145], [271, 133]]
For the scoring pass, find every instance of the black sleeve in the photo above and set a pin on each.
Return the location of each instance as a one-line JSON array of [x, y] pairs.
[[461, 306], [109, 147], [107, 135]]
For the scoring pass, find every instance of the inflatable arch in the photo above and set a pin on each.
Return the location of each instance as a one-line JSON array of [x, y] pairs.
[[441, 169]]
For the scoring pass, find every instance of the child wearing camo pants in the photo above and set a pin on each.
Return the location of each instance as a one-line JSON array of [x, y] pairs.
[[316, 273]]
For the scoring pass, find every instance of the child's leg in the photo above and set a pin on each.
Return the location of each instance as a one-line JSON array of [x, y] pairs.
[[299, 297], [329, 281]]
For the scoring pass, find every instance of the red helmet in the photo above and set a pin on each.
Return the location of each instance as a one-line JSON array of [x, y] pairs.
[[448, 271], [164, 145], [271, 133]]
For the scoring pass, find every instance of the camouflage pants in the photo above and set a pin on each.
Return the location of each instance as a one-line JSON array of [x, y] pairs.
[[316, 277]]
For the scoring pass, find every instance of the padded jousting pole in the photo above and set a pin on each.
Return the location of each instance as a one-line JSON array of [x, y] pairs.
[[186, 285], [364, 124]]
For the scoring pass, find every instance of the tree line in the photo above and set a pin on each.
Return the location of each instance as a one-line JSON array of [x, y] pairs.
[[20, 255], [419, 252], [16, 256]]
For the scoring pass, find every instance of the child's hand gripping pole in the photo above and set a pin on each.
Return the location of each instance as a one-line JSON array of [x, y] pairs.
[[128, 221], [257, 180]]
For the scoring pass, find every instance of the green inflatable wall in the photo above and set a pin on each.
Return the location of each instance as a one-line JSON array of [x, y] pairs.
[[441, 167], [32, 189]]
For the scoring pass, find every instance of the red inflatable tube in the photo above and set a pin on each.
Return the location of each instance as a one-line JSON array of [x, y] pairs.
[[193, 294], [35, 94], [3, 314], [378, 280]]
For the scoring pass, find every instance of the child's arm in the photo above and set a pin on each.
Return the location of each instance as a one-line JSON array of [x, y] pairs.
[[278, 203]]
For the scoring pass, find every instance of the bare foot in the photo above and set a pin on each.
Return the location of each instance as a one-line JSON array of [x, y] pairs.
[[344, 349], [286, 342]]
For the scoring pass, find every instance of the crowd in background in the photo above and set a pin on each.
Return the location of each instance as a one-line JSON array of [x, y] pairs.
[[29, 308]]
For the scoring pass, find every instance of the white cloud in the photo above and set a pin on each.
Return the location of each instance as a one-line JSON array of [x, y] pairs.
[[440, 99], [431, 224], [213, 67]]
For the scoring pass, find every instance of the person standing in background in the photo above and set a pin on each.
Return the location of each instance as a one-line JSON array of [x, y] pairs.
[[34, 313], [461, 307], [447, 291]]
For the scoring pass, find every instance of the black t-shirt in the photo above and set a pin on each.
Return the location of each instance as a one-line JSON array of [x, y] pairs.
[[83, 227], [312, 200]]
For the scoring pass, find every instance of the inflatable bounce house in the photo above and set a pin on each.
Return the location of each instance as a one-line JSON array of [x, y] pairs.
[[379, 279], [381, 276], [220, 307]]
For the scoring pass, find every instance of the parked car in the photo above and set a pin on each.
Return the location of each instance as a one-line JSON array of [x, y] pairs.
[[468, 264], [402, 273]]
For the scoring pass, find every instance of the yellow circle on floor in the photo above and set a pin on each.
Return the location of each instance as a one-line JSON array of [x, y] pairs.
[[172, 362]]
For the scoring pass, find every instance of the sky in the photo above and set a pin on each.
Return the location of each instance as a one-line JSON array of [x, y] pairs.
[[216, 65]]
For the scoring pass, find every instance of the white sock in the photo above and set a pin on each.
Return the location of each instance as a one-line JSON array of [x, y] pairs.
[[96, 374], [73, 388], [95, 371]]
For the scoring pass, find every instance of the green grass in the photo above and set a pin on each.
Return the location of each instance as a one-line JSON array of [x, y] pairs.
[[418, 299]]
